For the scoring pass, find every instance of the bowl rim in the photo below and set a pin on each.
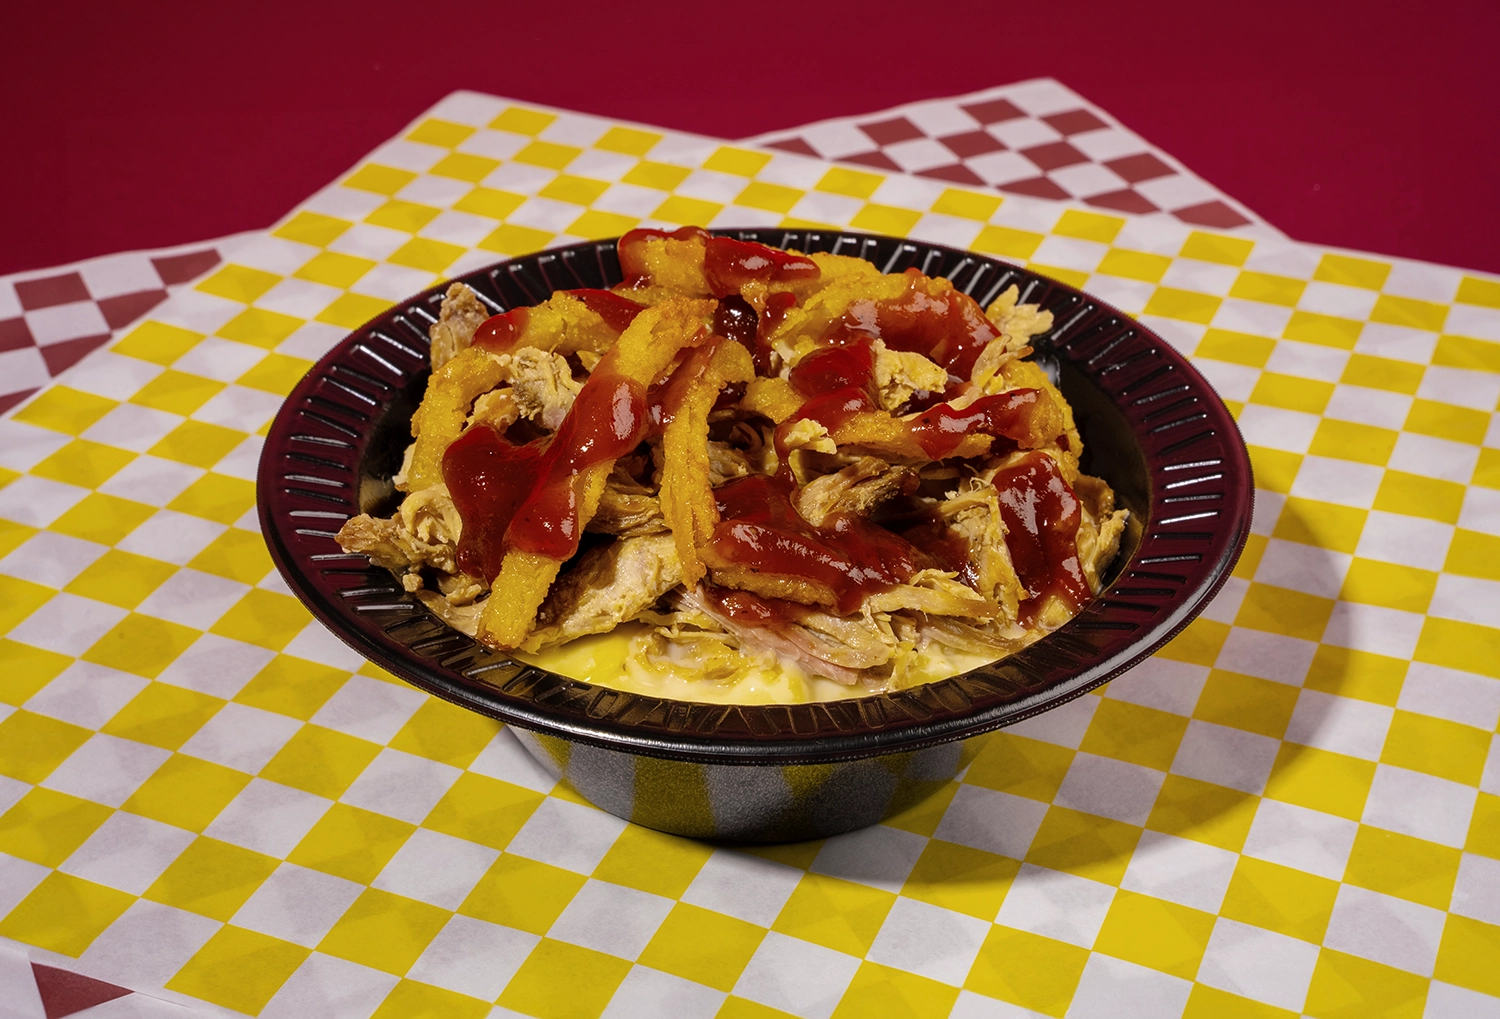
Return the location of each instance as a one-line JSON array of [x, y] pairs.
[[1200, 499]]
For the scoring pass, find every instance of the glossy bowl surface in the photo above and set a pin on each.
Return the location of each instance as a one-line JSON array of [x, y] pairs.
[[1152, 427]]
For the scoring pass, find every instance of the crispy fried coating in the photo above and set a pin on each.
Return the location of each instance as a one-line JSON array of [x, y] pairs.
[[440, 419]]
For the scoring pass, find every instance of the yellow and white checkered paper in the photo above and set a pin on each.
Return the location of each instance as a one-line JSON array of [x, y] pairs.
[[1293, 808]]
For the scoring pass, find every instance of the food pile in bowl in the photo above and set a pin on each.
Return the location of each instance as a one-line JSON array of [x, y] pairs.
[[746, 474]]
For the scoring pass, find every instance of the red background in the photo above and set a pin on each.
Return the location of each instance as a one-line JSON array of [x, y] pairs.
[[1366, 125]]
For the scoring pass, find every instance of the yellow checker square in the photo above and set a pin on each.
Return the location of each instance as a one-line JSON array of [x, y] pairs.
[[197, 443], [239, 283], [411, 999], [312, 228], [1406, 588], [1349, 987], [351, 843], [1291, 392], [660, 176], [212, 878], [924, 816], [145, 645], [12, 534], [1409, 312], [597, 225], [1255, 547], [264, 618], [886, 219], [1487, 471], [1275, 469], [1473, 290], [156, 342], [239, 969], [688, 211], [425, 253], [1246, 702], [1463, 352], [440, 731], [488, 202], [1362, 675], [382, 180], [1007, 242], [483, 810], [1087, 845], [1406, 867], [741, 162], [384, 931], [1349, 440], [260, 327], [1135, 265], [1467, 954], [1072, 277], [835, 913], [1284, 611], [1186, 305], [1020, 766], [1208, 247], [577, 190], [321, 761], [1436, 746], [884, 992], [961, 879], [513, 239], [525, 894], [1154, 933], [1134, 733], [519, 120], [216, 497], [1268, 289], [1206, 1002], [19, 599], [770, 197], [443, 133], [45, 826], [176, 392], [1353, 272], [1321, 780], [1203, 811], [628, 141], [653, 861], [1324, 524], [83, 463], [352, 310], [187, 792], [102, 518], [1459, 645], [1382, 373], [1419, 496], [465, 166], [743, 1008], [1324, 330], [64, 914], [236, 555], [966, 204], [121, 578], [850, 183], [1474, 554], [1027, 969], [335, 269], [702, 946], [1280, 899], [548, 154], [32, 745], [562, 981], [25, 669], [292, 686], [1088, 226], [1445, 421], [398, 214], [63, 409], [1198, 643]]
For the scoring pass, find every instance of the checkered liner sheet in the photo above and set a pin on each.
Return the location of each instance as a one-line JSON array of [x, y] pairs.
[[32, 990], [1293, 808], [1036, 138]]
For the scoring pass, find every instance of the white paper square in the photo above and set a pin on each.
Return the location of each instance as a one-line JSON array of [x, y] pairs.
[[37, 501], [611, 918], [1178, 870], [193, 598], [1056, 905], [242, 737], [1116, 989], [86, 694], [1110, 788], [1410, 541], [133, 427], [1448, 693], [152, 480], [877, 856], [437, 869], [504, 758], [648, 993], [401, 785], [1420, 805], [106, 769], [326, 986], [369, 709], [1258, 964], [567, 835], [1162, 684], [1267, 655], [1476, 893], [171, 536], [934, 942], [147, 945], [1225, 756], [268, 817], [127, 852], [217, 666], [1386, 929], [1064, 725], [51, 559], [993, 821], [473, 957], [1342, 482], [297, 904], [1343, 725], [796, 976], [1301, 839], [747, 887], [1446, 1001], [67, 624]]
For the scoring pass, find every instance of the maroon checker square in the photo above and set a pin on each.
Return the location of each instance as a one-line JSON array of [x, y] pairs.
[[1215, 214], [796, 145], [15, 334], [1075, 122], [175, 269], [9, 400], [62, 356], [1054, 155], [1125, 200], [994, 111], [64, 992], [972, 143], [1140, 167], [889, 132], [126, 308], [51, 290], [957, 173], [1036, 187], [877, 159]]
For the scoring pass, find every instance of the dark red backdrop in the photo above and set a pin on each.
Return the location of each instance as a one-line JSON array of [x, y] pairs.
[[1368, 125]]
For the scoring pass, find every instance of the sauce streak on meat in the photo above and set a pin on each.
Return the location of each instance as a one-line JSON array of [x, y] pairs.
[[950, 329], [501, 333], [1041, 516]]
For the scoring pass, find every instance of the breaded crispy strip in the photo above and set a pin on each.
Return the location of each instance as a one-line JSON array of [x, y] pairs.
[[643, 353], [687, 500], [889, 437], [445, 408]]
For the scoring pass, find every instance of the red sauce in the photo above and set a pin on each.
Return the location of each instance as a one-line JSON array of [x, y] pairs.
[[501, 332], [950, 330], [632, 250], [488, 477], [736, 320], [749, 609], [665, 399], [504, 332], [729, 264], [1041, 516], [940, 430], [618, 312], [760, 529]]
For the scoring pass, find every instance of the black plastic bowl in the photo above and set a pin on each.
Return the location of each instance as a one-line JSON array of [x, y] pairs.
[[1152, 427]]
